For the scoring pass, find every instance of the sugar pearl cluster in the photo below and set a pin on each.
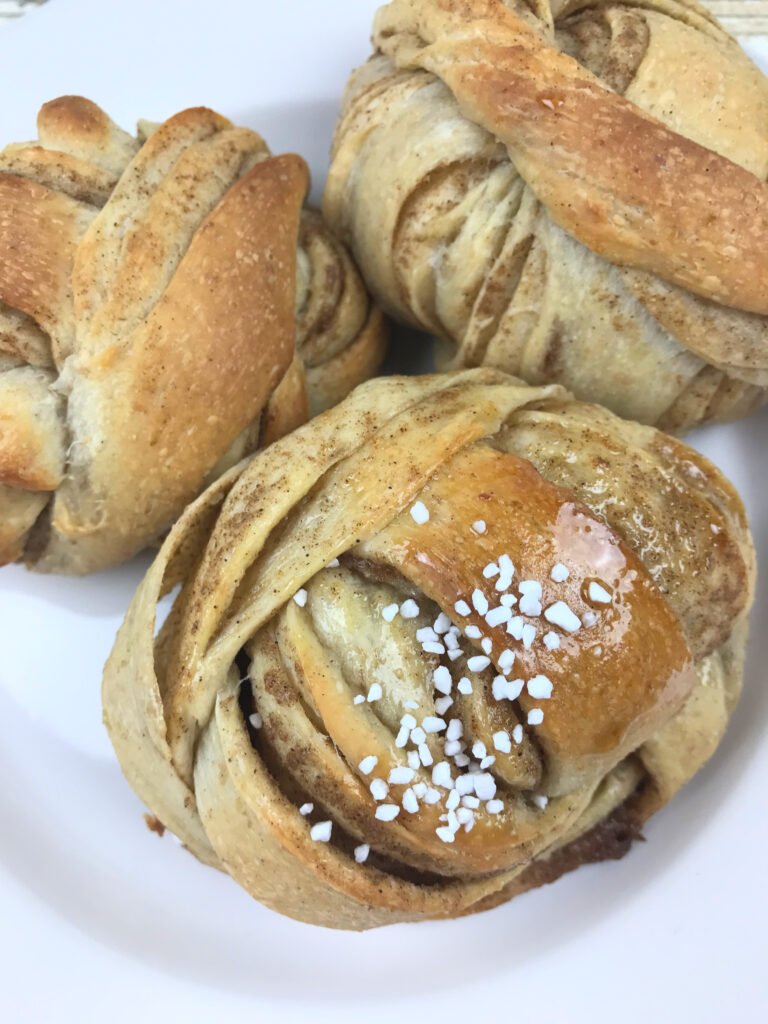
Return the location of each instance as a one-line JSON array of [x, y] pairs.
[[460, 782]]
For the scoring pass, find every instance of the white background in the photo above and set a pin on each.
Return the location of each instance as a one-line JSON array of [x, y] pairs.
[[102, 921]]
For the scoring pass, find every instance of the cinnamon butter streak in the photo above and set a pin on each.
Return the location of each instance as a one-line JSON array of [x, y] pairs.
[[438, 646]]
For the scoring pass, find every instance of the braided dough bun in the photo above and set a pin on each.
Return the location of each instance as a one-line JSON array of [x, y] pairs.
[[571, 192], [314, 616], [165, 303]]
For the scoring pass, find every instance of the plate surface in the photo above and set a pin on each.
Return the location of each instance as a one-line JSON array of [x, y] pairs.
[[101, 920]]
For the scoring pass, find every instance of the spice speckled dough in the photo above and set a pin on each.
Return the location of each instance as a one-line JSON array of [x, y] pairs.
[[439, 645], [166, 307], [568, 191]]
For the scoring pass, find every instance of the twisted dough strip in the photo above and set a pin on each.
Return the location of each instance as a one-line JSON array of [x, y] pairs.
[[160, 297], [250, 706], [540, 221]]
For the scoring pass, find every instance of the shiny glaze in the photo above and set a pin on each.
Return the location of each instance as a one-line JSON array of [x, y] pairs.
[[617, 679]]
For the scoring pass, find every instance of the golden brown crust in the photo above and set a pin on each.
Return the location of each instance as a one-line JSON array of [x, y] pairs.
[[631, 189], [577, 446], [538, 524], [252, 703], [137, 242], [77, 126], [39, 234], [231, 300]]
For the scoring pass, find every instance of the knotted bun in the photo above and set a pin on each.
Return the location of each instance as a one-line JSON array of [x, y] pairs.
[[153, 326], [442, 643], [571, 192]]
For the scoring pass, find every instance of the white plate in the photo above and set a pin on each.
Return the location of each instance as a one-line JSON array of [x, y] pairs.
[[101, 920]]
